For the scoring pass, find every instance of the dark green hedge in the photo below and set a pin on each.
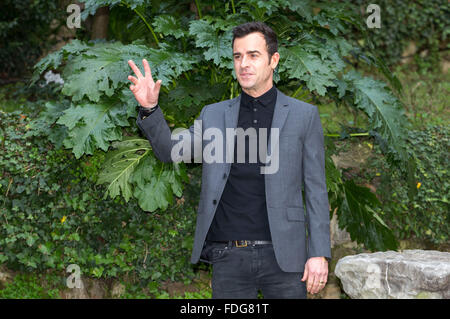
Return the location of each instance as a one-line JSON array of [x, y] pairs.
[[25, 27], [424, 22], [423, 215], [53, 215]]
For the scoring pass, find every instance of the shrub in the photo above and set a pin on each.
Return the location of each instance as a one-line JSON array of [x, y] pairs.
[[25, 27], [53, 214], [424, 22], [425, 213]]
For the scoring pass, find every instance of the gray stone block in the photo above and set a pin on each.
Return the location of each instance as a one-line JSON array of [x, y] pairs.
[[398, 275]]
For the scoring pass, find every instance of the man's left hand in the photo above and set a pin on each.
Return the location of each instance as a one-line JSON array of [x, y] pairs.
[[316, 274]]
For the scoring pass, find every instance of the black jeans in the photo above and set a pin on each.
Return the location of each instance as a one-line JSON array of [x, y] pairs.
[[239, 272]]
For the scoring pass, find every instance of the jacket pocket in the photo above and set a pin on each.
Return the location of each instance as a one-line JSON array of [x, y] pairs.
[[295, 214]]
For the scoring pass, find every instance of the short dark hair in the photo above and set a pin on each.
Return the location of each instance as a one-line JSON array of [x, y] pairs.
[[270, 36]]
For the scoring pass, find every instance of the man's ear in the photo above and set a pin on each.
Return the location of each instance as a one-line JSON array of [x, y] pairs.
[[274, 60]]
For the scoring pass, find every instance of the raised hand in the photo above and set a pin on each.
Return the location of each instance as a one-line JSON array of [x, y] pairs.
[[145, 90]]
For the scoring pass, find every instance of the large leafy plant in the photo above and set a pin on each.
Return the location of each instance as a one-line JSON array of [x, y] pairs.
[[188, 46]]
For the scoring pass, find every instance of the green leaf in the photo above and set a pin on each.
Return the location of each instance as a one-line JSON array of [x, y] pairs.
[[120, 164], [98, 271], [187, 99], [98, 70], [155, 188], [93, 126], [3, 258], [55, 59], [154, 195], [132, 170], [91, 6], [103, 68], [302, 7], [385, 114], [44, 249], [313, 62], [356, 215], [218, 43], [336, 17], [30, 239], [168, 25], [260, 10]]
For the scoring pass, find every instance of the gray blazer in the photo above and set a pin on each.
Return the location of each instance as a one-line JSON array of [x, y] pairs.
[[295, 236]]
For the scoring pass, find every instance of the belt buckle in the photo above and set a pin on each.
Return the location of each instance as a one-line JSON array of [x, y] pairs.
[[240, 246]]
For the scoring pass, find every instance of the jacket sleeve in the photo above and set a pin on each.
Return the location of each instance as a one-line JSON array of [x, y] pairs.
[[179, 145], [316, 195]]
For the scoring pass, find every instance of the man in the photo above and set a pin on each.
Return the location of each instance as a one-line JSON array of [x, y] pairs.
[[251, 225]]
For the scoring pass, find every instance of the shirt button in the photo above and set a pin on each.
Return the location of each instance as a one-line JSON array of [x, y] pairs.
[[255, 121], [255, 109]]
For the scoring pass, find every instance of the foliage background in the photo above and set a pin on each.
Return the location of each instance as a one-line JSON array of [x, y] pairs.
[[21, 47], [59, 205], [424, 23]]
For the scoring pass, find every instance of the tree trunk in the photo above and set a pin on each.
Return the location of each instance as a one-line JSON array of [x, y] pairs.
[[100, 24]]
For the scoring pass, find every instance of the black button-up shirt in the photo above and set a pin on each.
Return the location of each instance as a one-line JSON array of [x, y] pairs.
[[241, 212]]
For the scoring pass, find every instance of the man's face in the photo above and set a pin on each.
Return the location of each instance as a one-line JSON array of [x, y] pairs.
[[251, 63]]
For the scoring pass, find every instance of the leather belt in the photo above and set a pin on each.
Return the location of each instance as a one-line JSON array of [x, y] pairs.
[[245, 243]]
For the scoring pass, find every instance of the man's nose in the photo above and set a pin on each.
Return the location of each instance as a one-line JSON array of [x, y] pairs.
[[244, 62]]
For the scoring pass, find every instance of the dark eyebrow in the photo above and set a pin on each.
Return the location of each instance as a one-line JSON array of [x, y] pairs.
[[249, 52]]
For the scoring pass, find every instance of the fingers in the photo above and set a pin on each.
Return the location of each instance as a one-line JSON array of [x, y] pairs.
[[310, 280], [316, 283], [315, 275], [135, 69], [133, 79], [322, 282], [305, 274], [158, 85], [311, 285], [147, 70]]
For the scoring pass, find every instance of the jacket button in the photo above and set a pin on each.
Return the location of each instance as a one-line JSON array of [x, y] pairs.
[[214, 202], [224, 176]]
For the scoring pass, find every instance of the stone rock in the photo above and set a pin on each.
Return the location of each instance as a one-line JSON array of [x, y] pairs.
[[117, 290], [75, 293], [445, 66], [331, 291], [90, 289], [354, 158], [96, 289], [408, 53], [337, 235], [398, 275], [6, 276]]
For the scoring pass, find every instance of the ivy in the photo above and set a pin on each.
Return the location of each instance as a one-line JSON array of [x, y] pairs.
[[425, 214], [424, 22], [53, 214]]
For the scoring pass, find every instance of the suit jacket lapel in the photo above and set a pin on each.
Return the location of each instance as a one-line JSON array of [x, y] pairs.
[[279, 115], [231, 120]]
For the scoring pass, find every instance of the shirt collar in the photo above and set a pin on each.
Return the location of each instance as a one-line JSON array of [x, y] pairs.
[[265, 99]]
